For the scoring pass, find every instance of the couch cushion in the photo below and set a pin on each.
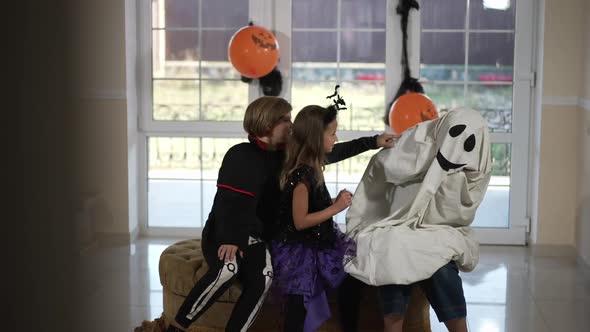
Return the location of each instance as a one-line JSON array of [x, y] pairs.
[[181, 266]]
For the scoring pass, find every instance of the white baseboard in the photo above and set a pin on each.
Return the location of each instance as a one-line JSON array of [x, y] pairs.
[[101, 94], [134, 234], [560, 101], [583, 103], [553, 250], [109, 238], [172, 232]]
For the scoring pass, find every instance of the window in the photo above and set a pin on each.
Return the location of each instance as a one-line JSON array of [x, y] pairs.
[[467, 53], [190, 71], [192, 106], [182, 178], [343, 42]]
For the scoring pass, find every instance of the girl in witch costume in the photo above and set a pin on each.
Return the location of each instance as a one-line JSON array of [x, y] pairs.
[[309, 248]]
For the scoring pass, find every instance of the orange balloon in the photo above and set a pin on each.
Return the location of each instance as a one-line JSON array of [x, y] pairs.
[[253, 51], [409, 110]]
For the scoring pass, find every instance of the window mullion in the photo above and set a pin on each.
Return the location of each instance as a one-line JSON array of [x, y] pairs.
[[466, 43], [200, 50], [145, 64], [261, 13], [338, 45], [283, 32], [393, 57]]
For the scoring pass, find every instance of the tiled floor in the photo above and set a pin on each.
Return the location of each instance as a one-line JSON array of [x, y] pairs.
[[512, 289]]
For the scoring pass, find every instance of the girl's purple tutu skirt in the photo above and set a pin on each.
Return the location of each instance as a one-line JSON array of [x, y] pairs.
[[309, 271]]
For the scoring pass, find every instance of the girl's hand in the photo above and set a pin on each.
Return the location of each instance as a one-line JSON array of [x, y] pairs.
[[227, 252], [386, 141], [343, 200]]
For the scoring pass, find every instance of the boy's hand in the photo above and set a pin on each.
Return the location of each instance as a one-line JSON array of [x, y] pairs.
[[386, 141], [227, 252]]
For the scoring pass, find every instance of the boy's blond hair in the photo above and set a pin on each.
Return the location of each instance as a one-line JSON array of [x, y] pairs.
[[263, 114]]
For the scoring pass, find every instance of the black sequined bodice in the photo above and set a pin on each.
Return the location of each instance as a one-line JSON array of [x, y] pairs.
[[322, 235]]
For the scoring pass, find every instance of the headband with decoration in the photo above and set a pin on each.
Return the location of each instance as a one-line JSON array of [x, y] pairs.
[[332, 110], [338, 101]]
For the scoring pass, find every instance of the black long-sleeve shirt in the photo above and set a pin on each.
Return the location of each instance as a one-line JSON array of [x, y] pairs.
[[248, 193]]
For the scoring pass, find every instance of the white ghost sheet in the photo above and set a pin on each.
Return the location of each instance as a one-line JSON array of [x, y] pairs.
[[412, 209]]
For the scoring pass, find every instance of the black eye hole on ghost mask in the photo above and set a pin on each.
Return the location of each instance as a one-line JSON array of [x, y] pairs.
[[469, 143], [456, 130]]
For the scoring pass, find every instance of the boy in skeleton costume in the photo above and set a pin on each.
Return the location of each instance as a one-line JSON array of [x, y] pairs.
[[411, 213], [235, 236]]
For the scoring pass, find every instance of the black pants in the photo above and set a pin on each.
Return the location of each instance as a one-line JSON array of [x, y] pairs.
[[254, 271], [294, 314], [349, 300]]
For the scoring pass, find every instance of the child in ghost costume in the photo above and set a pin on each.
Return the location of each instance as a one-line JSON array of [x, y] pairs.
[[411, 212]]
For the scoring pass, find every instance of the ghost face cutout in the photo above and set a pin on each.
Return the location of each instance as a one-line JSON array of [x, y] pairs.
[[460, 139]]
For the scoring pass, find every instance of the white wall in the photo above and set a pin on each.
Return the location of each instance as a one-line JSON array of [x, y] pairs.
[[106, 125], [560, 134]]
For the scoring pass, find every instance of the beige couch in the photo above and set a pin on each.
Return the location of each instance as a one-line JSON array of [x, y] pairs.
[[182, 264]]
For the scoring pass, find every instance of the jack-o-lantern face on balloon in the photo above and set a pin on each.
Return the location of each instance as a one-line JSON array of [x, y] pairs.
[[253, 51], [265, 41]]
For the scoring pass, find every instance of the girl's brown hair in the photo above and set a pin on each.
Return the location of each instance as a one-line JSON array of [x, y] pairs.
[[263, 114], [306, 144]]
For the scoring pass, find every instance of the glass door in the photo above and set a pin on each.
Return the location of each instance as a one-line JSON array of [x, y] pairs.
[[478, 54]]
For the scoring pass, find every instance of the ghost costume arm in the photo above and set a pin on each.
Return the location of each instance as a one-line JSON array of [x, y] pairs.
[[410, 158]]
